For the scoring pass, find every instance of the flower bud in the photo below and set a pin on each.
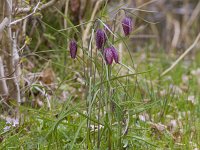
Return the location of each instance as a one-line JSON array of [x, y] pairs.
[[108, 54], [115, 54], [100, 38], [73, 48], [127, 25]]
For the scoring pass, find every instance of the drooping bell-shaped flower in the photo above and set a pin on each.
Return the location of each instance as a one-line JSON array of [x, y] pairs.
[[127, 25], [100, 38], [115, 54], [108, 54], [73, 48]]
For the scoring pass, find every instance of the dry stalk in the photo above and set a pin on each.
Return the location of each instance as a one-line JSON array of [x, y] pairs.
[[176, 33], [87, 30], [191, 20], [44, 6], [25, 17], [3, 24], [10, 54], [66, 12], [182, 56], [3, 85]]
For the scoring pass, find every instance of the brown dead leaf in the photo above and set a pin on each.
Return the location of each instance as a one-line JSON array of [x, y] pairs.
[[176, 89], [157, 129], [185, 79], [192, 99], [177, 136], [158, 126], [47, 76], [75, 6], [196, 73], [163, 92], [172, 125], [144, 117]]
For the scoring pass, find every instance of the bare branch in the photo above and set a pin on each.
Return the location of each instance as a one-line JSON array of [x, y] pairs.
[[15, 59], [3, 24], [28, 9], [86, 31], [34, 11], [3, 85]]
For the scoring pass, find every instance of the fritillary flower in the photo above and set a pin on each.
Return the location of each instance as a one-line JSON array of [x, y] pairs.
[[100, 38], [73, 48], [108, 54], [127, 25], [115, 54]]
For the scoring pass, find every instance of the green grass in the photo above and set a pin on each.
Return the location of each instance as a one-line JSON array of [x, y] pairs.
[[66, 125]]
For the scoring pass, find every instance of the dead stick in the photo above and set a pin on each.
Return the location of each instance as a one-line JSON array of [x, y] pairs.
[[28, 9], [182, 56]]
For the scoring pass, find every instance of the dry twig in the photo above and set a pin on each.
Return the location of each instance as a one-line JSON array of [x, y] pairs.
[[44, 6], [182, 56]]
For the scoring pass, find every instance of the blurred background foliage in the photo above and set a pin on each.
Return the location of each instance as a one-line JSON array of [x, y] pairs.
[[170, 29]]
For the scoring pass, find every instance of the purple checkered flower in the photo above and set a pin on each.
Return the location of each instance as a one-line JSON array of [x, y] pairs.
[[108, 54], [73, 48], [115, 54], [100, 38], [127, 25]]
